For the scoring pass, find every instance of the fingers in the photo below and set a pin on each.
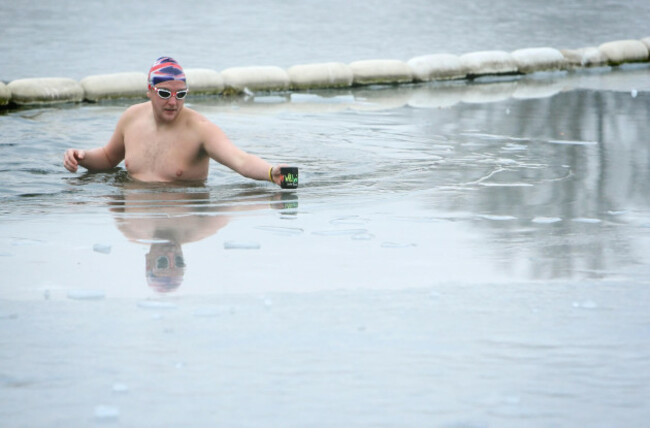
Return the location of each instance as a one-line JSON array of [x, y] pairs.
[[71, 159]]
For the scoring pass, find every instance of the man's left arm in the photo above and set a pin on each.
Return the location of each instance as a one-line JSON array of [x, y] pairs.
[[221, 149]]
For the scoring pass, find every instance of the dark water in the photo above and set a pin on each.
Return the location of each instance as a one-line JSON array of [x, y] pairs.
[[458, 255]]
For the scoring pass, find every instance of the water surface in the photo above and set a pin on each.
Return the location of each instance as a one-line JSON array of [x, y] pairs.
[[457, 255]]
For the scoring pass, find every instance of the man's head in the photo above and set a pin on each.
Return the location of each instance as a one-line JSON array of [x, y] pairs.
[[167, 88], [165, 69]]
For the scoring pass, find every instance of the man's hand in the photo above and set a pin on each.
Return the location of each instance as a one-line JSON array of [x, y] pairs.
[[71, 159]]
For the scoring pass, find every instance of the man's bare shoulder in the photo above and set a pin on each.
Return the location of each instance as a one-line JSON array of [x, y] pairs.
[[198, 120], [137, 109]]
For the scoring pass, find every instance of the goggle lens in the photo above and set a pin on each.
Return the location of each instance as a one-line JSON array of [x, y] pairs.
[[165, 94]]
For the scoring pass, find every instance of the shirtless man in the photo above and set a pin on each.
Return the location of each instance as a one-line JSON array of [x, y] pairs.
[[162, 141]]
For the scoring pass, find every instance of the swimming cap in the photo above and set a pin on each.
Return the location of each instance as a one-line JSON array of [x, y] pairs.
[[165, 69]]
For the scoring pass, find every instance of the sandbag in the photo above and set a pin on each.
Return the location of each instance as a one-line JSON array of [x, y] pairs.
[[266, 78], [621, 51], [646, 42], [325, 75], [5, 94], [45, 90], [117, 85], [488, 63], [538, 59], [437, 67], [584, 57], [204, 81], [381, 71]]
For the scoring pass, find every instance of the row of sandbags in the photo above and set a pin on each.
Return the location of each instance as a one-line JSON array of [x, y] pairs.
[[331, 75]]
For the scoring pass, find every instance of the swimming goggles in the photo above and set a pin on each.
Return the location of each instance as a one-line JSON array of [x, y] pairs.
[[166, 94]]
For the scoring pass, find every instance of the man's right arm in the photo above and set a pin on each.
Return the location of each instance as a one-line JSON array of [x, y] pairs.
[[99, 158]]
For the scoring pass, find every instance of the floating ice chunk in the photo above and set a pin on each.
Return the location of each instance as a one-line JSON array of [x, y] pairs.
[[104, 412], [340, 232], [102, 248], [498, 217], [634, 93], [282, 230], [585, 304], [120, 387], [363, 237], [546, 220], [240, 245], [586, 220], [86, 294], [397, 245], [156, 304], [574, 142], [207, 312]]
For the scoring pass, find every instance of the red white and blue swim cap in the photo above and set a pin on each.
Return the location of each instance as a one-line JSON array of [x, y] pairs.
[[165, 69]]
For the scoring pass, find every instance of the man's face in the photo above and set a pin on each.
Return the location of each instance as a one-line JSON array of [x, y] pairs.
[[167, 109]]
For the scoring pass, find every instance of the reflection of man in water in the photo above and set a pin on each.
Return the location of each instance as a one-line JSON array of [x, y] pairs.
[[165, 266], [166, 217]]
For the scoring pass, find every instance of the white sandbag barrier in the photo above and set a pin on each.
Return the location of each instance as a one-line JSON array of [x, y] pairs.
[[539, 59], [646, 42], [204, 81], [623, 51], [46, 90], [118, 85], [381, 71], [5, 94], [251, 80], [241, 79], [325, 75], [489, 63], [590, 56], [437, 67]]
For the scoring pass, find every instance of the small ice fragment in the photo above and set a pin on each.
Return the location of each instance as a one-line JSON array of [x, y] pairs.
[[498, 217], [106, 412], [120, 387], [206, 312], [396, 245], [102, 248], [586, 304], [546, 220], [574, 142], [586, 220], [363, 237], [155, 304], [86, 294], [634, 93], [239, 245], [341, 232]]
